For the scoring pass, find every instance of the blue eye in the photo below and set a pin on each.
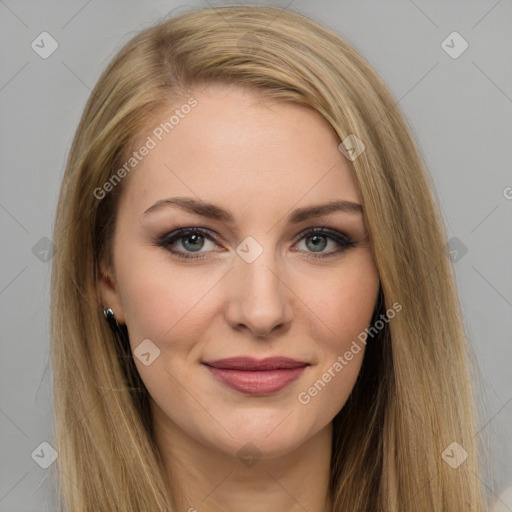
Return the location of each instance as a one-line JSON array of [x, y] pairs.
[[317, 239], [193, 240]]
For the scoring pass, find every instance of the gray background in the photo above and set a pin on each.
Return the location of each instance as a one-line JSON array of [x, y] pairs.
[[461, 113]]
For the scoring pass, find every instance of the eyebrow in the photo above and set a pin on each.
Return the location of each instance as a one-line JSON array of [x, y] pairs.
[[215, 212]]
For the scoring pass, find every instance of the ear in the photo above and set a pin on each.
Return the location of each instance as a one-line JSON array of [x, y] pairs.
[[109, 293]]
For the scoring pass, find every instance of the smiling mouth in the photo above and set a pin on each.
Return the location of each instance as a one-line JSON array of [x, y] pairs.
[[256, 377]]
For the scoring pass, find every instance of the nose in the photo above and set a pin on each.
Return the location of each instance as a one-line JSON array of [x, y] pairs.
[[258, 298]]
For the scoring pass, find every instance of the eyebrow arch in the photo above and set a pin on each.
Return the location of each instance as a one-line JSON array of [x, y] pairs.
[[215, 212]]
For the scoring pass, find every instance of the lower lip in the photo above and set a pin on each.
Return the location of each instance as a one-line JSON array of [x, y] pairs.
[[261, 382]]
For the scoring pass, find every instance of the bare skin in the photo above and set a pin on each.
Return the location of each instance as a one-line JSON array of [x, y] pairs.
[[260, 161]]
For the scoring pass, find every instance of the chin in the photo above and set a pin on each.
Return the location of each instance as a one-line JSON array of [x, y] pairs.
[[267, 439]]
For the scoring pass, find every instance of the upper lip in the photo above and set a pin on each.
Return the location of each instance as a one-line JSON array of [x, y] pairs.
[[251, 363]]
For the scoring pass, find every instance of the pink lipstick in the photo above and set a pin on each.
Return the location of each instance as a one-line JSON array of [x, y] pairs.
[[256, 376]]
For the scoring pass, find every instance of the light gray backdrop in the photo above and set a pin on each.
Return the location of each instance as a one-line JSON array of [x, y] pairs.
[[458, 100]]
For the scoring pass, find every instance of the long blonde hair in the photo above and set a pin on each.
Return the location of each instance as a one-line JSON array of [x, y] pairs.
[[413, 397]]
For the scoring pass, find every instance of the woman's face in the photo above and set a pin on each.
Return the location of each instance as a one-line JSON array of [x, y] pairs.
[[257, 283]]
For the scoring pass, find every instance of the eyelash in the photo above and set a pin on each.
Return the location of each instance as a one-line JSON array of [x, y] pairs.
[[340, 238]]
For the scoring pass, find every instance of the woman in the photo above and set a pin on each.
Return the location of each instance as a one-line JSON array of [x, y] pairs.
[[312, 354]]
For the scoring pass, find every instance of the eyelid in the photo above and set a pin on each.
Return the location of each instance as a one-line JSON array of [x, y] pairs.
[[341, 239], [323, 230], [214, 236]]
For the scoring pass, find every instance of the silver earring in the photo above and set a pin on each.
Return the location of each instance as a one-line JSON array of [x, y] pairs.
[[111, 319]]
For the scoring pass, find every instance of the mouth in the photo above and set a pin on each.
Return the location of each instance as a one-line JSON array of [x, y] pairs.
[[256, 377]]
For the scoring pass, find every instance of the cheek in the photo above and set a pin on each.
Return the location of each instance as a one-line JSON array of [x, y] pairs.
[[161, 299], [342, 306], [170, 306], [338, 316]]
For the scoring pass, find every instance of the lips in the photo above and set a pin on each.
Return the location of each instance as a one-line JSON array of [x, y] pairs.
[[256, 376], [250, 363]]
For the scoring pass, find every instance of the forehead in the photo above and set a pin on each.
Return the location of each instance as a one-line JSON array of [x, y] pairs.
[[234, 147]]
